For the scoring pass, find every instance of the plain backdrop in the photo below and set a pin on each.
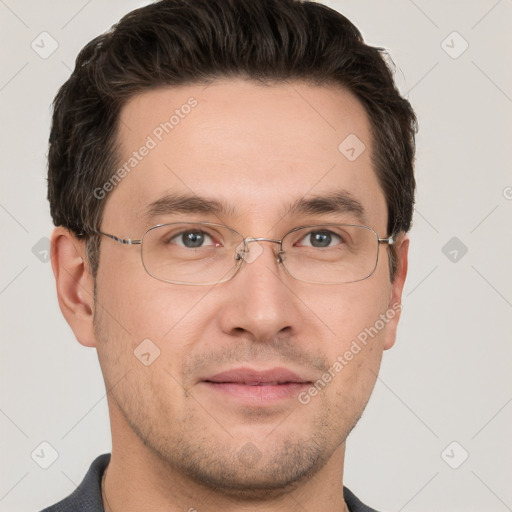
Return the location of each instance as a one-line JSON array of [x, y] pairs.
[[444, 392]]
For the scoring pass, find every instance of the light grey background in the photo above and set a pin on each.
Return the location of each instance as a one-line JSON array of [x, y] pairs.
[[447, 378]]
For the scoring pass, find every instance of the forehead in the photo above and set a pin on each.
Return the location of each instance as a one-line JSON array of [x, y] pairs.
[[253, 147]]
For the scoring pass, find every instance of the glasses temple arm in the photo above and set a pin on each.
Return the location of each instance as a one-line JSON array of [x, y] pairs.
[[123, 241]]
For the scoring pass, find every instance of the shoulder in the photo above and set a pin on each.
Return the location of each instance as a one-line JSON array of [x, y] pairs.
[[354, 504], [87, 496]]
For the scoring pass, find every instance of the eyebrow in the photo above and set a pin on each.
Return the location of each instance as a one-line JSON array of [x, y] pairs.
[[338, 203], [186, 203]]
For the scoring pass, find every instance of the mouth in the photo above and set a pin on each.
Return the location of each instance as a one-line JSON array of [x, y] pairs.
[[257, 386]]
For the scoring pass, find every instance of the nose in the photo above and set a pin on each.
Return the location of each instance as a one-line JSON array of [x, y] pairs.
[[260, 301]]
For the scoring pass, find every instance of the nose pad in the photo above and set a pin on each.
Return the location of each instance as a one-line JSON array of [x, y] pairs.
[[239, 253], [249, 253]]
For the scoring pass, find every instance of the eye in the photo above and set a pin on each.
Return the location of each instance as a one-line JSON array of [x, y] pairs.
[[192, 239], [320, 239]]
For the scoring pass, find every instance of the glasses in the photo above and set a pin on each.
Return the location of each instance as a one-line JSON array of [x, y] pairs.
[[204, 253]]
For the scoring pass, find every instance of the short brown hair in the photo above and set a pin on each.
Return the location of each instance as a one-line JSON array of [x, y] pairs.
[[178, 42]]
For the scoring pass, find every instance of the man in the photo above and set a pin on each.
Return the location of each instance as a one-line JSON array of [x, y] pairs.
[[232, 184]]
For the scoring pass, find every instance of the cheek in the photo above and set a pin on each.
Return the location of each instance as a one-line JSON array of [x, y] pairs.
[[350, 309], [141, 305], [354, 313], [144, 335]]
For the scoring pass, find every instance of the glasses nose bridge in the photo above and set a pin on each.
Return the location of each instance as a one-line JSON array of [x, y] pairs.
[[262, 239], [250, 239]]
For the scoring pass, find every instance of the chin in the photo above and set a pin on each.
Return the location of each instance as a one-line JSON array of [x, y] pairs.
[[253, 474]]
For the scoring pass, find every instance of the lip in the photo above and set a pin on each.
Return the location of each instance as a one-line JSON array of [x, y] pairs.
[[256, 387], [251, 377]]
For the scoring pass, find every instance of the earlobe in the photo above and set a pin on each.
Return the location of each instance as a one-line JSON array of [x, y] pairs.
[[397, 286], [75, 284]]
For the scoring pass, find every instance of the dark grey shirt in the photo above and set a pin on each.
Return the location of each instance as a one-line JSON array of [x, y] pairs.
[[87, 496]]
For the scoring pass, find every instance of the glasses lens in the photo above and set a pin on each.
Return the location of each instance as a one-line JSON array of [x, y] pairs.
[[191, 253], [331, 254]]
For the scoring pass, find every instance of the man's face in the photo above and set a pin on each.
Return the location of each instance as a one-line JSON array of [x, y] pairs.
[[258, 149]]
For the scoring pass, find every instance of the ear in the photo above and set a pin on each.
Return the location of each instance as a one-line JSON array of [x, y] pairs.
[[397, 286], [75, 285]]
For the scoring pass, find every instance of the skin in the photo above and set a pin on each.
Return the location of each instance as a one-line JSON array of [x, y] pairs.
[[176, 444]]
